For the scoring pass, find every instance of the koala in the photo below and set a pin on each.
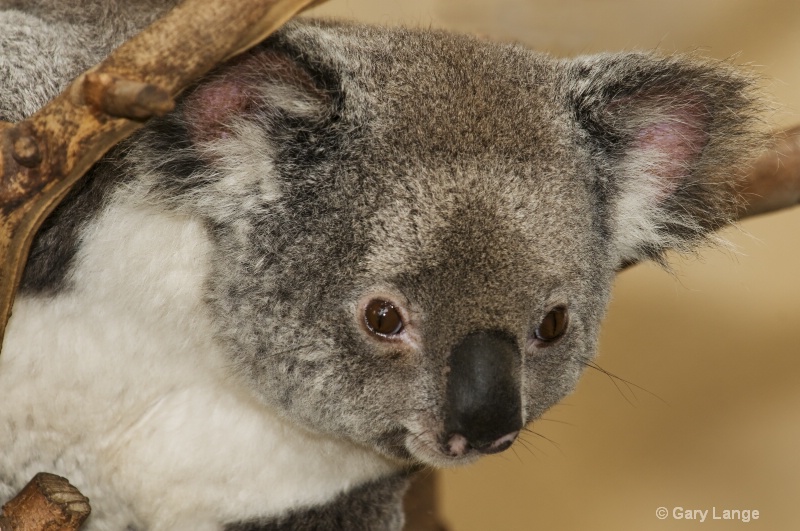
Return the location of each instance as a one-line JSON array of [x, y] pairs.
[[350, 253]]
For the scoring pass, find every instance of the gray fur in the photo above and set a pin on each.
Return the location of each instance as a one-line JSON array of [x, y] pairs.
[[475, 184], [374, 505]]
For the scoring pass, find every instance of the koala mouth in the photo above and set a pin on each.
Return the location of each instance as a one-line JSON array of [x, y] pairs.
[[425, 449], [446, 451], [459, 446]]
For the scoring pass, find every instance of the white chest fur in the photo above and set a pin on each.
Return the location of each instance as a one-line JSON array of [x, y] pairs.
[[118, 385]]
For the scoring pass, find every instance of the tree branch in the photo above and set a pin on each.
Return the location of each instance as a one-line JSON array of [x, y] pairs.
[[774, 182], [47, 502]]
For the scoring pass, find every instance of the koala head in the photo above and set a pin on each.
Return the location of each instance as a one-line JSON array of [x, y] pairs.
[[416, 233]]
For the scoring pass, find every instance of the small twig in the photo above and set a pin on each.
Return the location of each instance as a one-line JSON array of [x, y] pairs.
[[48, 502], [123, 98]]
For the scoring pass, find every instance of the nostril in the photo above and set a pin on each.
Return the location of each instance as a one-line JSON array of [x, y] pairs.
[[457, 445], [500, 444]]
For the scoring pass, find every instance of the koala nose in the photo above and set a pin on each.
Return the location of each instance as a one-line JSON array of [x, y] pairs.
[[484, 405]]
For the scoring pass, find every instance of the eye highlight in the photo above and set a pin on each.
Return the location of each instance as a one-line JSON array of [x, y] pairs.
[[383, 318], [552, 326]]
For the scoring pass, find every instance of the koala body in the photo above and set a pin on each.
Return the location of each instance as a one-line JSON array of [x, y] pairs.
[[349, 253]]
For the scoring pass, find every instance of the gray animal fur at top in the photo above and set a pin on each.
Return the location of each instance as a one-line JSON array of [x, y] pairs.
[[351, 252]]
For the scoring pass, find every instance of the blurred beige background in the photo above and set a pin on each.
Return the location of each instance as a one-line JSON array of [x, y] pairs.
[[712, 417]]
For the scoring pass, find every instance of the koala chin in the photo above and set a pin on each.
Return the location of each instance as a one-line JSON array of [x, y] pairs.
[[349, 253]]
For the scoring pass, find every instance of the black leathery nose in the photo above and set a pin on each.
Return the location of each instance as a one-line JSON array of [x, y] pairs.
[[483, 395]]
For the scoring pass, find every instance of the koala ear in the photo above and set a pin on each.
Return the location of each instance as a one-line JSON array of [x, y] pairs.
[[262, 86], [266, 111], [670, 137]]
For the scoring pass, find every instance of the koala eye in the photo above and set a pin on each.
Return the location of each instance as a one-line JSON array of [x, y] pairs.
[[383, 318], [552, 326]]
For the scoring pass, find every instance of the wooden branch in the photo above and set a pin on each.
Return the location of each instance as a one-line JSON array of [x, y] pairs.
[[48, 502], [421, 503], [774, 182], [42, 157]]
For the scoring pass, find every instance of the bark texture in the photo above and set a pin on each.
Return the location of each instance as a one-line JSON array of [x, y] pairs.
[[47, 503]]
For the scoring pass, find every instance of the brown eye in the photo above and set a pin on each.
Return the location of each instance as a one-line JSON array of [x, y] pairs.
[[383, 318], [553, 325]]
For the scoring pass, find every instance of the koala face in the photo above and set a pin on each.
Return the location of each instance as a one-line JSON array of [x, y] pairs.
[[416, 233], [473, 311], [438, 335], [445, 329]]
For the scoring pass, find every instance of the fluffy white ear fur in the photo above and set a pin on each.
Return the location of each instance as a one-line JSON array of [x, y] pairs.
[[662, 153], [671, 135]]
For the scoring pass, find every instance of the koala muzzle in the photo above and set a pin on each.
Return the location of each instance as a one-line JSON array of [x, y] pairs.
[[484, 405]]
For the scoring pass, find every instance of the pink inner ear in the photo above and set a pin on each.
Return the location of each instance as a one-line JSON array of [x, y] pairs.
[[238, 87], [672, 145], [210, 107]]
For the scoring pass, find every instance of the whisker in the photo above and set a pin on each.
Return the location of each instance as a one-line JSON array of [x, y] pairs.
[[516, 454], [530, 447], [630, 386], [548, 439], [557, 421]]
